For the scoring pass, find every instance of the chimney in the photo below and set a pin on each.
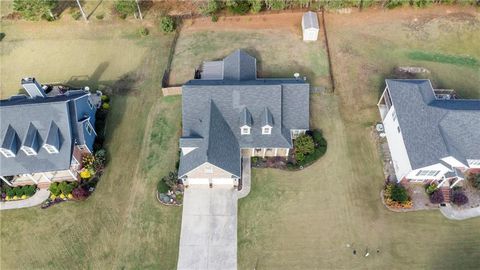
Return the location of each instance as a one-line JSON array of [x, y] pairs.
[[33, 88]]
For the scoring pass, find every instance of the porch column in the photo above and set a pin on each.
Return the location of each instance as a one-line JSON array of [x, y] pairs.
[[288, 150], [264, 151], [276, 151], [6, 181], [32, 178], [253, 152]]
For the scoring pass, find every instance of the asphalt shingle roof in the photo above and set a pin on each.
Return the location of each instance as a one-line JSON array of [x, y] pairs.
[[239, 102], [433, 129]]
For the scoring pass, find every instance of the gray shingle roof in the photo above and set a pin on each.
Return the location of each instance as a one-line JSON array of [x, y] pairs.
[[20, 114], [32, 138], [267, 117], [240, 102], [10, 140], [239, 66], [433, 129], [53, 137]]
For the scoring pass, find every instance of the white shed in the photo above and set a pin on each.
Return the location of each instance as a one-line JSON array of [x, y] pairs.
[[310, 26]]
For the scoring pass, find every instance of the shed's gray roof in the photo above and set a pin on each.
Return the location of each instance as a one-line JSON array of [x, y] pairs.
[[236, 101], [310, 20], [433, 129], [20, 115]]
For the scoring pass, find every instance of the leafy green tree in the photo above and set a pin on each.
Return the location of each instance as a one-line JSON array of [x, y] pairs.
[[304, 145], [125, 7], [34, 10], [209, 8], [167, 24]]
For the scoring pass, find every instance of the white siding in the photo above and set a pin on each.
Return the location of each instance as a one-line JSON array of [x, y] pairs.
[[400, 159], [454, 162], [473, 163]]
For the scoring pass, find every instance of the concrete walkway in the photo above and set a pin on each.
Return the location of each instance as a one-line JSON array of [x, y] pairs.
[[246, 176], [208, 238], [454, 214], [35, 200]]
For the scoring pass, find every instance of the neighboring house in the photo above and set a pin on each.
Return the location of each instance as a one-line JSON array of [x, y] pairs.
[[310, 26], [43, 136], [229, 113], [430, 137]]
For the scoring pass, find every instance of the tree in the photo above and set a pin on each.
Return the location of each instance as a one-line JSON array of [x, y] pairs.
[[304, 145], [125, 7], [34, 10], [81, 10]]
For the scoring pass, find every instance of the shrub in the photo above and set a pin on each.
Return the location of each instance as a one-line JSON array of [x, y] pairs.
[[475, 180], [85, 174], [125, 7], [255, 6], [421, 3], [303, 146], [391, 4], [18, 191], [105, 106], [162, 186], [54, 189], [29, 190], [100, 16], [214, 18], [143, 32], [34, 10], [399, 194], [79, 193], [239, 7], [9, 191], [276, 4], [437, 196], [168, 24], [87, 161], [100, 160], [171, 179], [105, 98], [209, 8], [179, 198], [431, 188], [459, 198]]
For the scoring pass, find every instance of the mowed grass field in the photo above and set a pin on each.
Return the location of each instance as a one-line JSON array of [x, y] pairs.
[[121, 226], [304, 220]]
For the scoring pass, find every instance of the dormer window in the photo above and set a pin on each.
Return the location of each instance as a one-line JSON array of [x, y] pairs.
[[28, 151], [50, 149], [267, 130], [7, 153], [245, 130], [246, 122]]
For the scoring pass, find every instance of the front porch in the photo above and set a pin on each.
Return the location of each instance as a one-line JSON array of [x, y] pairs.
[[265, 152], [42, 179]]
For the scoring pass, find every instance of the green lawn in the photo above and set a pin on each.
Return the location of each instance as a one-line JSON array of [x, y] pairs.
[[121, 226], [304, 220], [279, 53]]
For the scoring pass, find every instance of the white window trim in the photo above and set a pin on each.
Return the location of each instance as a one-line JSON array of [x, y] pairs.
[[50, 149], [7, 153], [29, 151], [90, 103], [267, 130], [245, 130], [89, 126]]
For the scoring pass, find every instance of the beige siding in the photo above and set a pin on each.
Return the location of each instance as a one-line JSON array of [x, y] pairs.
[[282, 152], [208, 171], [172, 91]]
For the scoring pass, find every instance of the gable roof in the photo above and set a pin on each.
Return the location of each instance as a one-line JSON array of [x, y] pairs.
[[239, 66], [281, 103], [433, 129], [36, 121]]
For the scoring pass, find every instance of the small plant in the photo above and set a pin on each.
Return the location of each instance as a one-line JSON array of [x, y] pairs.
[[54, 189], [100, 16], [29, 190], [214, 18], [459, 198], [125, 7], [475, 180], [431, 188], [168, 24], [79, 193], [256, 6], [9, 191], [437, 197], [100, 160], [105, 98], [143, 32], [171, 179], [87, 161], [240, 7], [85, 174], [106, 106], [399, 194], [76, 15], [209, 8], [19, 191], [162, 186], [255, 160]]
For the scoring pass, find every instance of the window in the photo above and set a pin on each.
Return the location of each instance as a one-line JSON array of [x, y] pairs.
[[29, 151], [245, 130], [50, 148], [427, 173], [266, 130], [7, 153], [89, 128]]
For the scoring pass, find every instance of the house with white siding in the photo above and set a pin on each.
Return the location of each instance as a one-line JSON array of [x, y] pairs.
[[430, 136]]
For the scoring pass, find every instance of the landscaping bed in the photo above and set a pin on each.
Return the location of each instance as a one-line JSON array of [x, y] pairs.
[[16, 193], [169, 190]]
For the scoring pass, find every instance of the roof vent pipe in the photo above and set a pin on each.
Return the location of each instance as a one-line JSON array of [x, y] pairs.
[[33, 88]]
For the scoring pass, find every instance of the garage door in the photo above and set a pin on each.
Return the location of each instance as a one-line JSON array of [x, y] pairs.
[[222, 181], [198, 181]]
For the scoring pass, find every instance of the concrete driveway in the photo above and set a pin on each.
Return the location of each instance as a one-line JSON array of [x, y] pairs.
[[208, 239]]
